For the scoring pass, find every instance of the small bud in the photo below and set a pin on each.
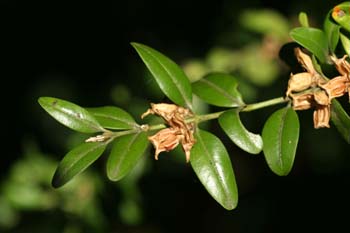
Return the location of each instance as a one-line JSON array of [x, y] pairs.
[[322, 115]]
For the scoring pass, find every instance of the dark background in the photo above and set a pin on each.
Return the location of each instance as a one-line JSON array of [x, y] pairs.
[[78, 51]]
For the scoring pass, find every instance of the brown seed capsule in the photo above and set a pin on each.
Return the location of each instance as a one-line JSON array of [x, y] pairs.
[[336, 87], [321, 97], [342, 65], [322, 115], [300, 82], [178, 132], [165, 140], [304, 60], [302, 101]]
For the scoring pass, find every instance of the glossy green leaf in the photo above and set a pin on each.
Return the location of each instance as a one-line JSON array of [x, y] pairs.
[[170, 77], [230, 122], [346, 43], [332, 32], [76, 161], [312, 39], [212, 165], [341, 14], [280, 136], [341, 120], [219, 90], [111, 117], [126, 152], [70, 115], [303, 19]]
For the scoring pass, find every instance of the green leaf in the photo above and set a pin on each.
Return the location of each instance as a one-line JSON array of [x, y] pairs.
[[212, 165], [346, 43], [332, 32], [280, 136], [126, 152], [341, 120], [303, 19], [312, 39], [70, 115], [111, 117], [230, 122], [76, 161], [170, 77], [341, 14], [219, 90]]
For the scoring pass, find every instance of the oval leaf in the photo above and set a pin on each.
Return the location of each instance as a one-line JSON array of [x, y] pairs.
[[332, 32], [70, 115], [76, 161], [170, 77], [111, 117], [212, 165], [219, 90], [126, 152], [312, 39], [280, 136], [341, 120], [346, 43], [233, 127]]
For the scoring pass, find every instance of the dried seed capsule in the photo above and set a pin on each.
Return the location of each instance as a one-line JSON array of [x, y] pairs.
[[321, 97], [336, 87], [302, 101], [322, 115], [304, 60], [299, 82]]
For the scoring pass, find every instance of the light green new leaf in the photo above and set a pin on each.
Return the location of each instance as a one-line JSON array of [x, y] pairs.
[[346, 43], [219, 90], [303, 19], [126, 152], [280, 136], [332, 32], [170, 77], [76, 161], [70, 115], [230, 122], [313, 39], [111, 117], [341, 15], [212, 165], [341, 120]]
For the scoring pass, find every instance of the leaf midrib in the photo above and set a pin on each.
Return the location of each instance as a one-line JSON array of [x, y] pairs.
[[215, 168], [179, 87], [220, 90]]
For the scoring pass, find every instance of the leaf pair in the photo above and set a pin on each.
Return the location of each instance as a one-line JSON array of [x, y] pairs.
[[126, 150]]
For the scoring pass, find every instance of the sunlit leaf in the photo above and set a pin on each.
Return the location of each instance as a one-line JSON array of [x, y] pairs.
[[111, 117], [303, 19], [126, 152], [212, 165], [219, 90], [70, 115], [332, 31], [341, 120], [76, 161], [230, 122], [170, 77], [312, 39], [280, 136], [346, 43]]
